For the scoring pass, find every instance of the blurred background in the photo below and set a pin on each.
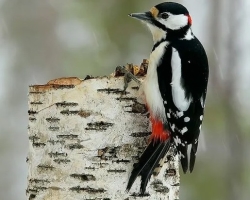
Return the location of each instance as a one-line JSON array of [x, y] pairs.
[[42, 40]]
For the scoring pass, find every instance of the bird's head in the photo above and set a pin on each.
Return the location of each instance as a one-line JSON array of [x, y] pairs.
[[167, 19]]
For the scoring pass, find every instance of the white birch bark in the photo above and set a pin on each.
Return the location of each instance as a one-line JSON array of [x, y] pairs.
[[84, 139]]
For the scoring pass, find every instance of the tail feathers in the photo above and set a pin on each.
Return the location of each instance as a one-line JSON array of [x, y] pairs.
[[182, 149], [149, 160], [184, 158], [193, 155]]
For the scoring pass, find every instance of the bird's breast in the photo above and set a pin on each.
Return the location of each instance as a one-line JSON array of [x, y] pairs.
[[151, 87]]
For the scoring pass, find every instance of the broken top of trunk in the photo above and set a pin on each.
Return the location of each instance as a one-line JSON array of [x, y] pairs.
[[84, 138]]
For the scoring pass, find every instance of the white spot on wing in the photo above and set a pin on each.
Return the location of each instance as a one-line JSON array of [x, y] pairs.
[[165, 102], [202, 102], [177, 141], [173, 127], [201, 117], [186, 119], [168, 115], [179, 114], [184, 130], [150, 85], [178, 92]]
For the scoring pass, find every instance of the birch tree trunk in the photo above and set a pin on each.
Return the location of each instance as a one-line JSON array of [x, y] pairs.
[[84, 138]]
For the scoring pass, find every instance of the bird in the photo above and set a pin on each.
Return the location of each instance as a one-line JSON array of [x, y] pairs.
[[175, 89]]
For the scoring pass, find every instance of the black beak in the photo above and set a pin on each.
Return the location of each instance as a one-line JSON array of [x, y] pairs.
[[147, 16]]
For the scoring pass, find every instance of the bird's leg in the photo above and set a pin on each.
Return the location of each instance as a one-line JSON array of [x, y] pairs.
[[128, 76]]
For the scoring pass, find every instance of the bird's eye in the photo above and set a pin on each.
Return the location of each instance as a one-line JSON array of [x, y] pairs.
[[164, 15]]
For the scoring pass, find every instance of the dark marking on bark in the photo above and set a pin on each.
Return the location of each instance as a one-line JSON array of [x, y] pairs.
[[61, 87], [159, 187], [36, 92], [56, 141], [169, 158], [32, 196], [176, 184], [108, 153], [36, 103], [32, 119], [66, 104], [39, 188], [59, 161], [170, 172], [112, 91], [32, 112], [69, 112], [116, 170], [90, 168], [84, 177], [45, 167], [140, 134], [135, 88], [100, 164], [137, 108], [36, 189], [84, 113], [126, 99], [99, 126], [33, 138], [87, 189], [53, 128], [101, 153], [114, 150], [39, 181], [52, 119], [57, 154], [121, 161], [74, 146], [69, 137], [162, 189], [38, 144], [140, 195], [31, 190]]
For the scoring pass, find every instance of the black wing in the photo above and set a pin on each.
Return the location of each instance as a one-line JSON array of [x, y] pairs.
[[185, 124]]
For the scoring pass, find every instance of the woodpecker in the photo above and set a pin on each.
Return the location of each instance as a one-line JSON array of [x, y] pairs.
[[175, 89]]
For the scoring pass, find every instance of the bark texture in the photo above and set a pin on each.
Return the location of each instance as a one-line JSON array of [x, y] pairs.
[[84, 138]]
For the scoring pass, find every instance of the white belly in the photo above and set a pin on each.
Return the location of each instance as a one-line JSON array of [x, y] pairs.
[[151, 86]]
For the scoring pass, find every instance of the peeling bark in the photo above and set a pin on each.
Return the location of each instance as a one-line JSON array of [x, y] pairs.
[[84, 138]]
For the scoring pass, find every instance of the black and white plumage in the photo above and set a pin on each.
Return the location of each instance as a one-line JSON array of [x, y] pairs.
[[175, 88]]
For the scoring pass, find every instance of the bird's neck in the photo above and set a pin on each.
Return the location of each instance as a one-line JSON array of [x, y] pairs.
[[159, 35]]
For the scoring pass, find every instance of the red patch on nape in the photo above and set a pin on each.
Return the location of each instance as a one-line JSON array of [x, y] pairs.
[[189, 20], [158, 132]]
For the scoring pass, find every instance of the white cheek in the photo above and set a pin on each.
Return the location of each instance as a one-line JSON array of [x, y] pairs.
[[175, 22], [158, 34]]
